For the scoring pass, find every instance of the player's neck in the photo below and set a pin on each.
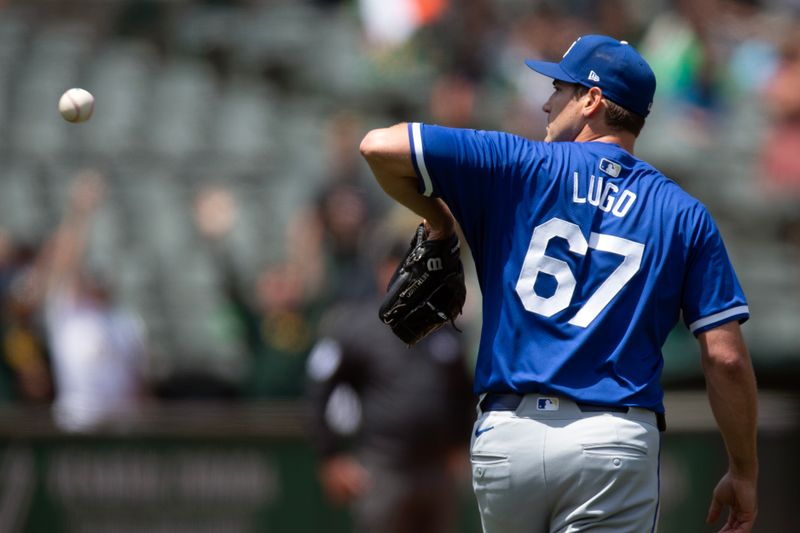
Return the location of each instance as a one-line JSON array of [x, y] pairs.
[[623, 139]]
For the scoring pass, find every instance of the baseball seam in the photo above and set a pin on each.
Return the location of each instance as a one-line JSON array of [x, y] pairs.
[[75, 106]]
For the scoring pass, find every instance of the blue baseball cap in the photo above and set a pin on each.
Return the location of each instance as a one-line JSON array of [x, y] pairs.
[[614, 66]]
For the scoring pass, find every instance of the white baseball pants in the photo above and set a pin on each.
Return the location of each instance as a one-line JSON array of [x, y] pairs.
[[549, 467]]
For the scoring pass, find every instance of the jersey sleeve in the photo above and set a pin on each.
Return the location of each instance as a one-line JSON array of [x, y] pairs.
[[712, 294], [471, 170]]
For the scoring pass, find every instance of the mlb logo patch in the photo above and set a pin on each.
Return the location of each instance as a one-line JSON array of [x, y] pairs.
[[610, 167], [546, 404]]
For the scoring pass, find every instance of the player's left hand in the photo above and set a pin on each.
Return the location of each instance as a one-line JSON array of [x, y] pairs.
[[738, 493]]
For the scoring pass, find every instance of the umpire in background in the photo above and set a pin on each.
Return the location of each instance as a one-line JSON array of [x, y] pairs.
[[587, 257], [390, 424]]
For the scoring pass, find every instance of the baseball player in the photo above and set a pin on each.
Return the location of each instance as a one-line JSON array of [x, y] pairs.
[[586, 258]]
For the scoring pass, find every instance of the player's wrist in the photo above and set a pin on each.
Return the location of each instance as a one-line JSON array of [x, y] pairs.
[[744, 469], [441, 229], [439, 221], [436, 235]]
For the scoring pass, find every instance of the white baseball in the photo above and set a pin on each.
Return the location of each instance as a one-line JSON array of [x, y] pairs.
[[76, 105]]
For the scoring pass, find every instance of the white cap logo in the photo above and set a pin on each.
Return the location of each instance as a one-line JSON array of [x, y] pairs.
[[593, 76], [570, 47]]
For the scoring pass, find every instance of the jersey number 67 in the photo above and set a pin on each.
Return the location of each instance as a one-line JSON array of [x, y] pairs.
[[536, 261]]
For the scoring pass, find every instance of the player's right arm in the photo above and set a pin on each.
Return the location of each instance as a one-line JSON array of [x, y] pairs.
[[732, 394], [448, 174], [388, 153]]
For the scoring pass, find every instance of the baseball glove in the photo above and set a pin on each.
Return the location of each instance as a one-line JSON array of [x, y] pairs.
[[427, 290]]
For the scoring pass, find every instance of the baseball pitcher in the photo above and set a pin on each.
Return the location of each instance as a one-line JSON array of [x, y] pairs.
[[587, 257]]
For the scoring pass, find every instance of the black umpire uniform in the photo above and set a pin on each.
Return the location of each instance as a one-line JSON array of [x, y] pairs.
[[403, 414]]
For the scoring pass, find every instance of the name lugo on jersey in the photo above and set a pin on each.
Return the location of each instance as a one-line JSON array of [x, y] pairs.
[[603, 196]]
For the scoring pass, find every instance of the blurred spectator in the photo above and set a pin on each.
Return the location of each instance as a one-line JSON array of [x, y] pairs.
[[143, 18], [543, 33], [286, 323], [342, 213], [780, 152], [97, 347], [214, 215], [390, 23], [273, 321], [750, 34], [780, 157], [25, 364], [345, 165], [466, 39], [615, 18], [688, 62], [325, 241], [452, 101], [389, 422], [9, 267]]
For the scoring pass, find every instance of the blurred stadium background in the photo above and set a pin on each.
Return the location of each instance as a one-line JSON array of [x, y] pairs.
[[232, 211]]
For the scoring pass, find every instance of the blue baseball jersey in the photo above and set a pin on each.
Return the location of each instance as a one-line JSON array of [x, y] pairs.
[[586, 258]]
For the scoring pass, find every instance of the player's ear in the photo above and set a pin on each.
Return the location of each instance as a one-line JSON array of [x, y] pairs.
[[592, 101]]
